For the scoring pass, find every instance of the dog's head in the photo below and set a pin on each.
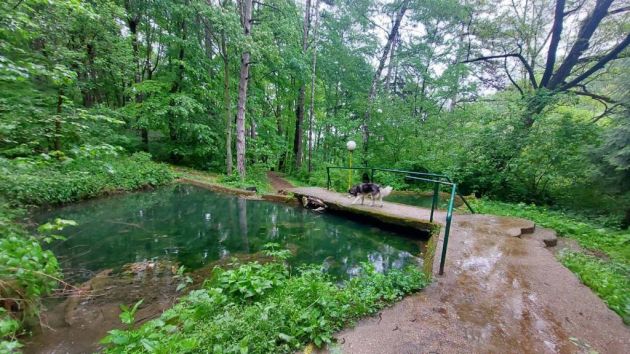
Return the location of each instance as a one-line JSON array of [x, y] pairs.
[[353, 191]]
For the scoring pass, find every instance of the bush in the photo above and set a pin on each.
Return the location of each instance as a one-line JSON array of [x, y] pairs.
[[27, 272], [60, 179], [264, 309]]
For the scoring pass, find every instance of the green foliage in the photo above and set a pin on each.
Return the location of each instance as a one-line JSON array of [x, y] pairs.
[[60, 179], [265, 309], [609, 280], [256, 177], [128, 314], [27, 271]]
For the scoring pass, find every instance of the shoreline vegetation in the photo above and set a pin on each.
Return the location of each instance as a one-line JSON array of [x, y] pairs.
[[602, 264]]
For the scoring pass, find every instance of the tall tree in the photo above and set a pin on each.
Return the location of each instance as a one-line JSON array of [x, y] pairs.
[[246, 22], [365, 126], [301, 100], [586, 54], [313, 76]]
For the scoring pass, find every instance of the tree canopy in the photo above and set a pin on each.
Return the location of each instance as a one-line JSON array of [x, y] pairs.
[[521, 100]]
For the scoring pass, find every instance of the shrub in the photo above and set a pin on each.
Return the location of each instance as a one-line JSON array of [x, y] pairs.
[[264, 309], [27, 272], [60, 179]]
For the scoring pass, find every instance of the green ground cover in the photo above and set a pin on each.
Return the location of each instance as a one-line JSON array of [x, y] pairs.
[[266, 308], [27, 271]]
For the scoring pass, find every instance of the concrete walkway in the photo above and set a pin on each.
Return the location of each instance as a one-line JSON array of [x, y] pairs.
[[503, 292]]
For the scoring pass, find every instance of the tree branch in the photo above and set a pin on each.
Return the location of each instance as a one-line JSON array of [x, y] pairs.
[[529, 69], [512, 80], [600, 64], [588, 27], [619, 10], [607, 110], [579, 6], [594, 96], [556, 32]]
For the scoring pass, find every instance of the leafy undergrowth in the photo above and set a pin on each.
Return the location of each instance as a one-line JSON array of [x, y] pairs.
[[60, 179], [27, 271], [608, 279], [606, 267], [265, 309], [255, 177]]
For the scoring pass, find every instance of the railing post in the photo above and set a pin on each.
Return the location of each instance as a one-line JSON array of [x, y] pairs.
[[328, 180], [436, 192], [466, 202], [449, 217], [372, 175]]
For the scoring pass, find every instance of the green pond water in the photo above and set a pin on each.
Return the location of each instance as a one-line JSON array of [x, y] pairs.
[[416, 199], [196, 227]]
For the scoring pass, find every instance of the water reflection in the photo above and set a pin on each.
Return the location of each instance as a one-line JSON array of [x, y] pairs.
[[196, 227]]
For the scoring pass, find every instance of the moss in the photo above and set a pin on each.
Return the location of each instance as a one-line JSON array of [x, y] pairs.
[[429, 254]]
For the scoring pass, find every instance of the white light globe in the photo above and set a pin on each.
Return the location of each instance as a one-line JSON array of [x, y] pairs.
[[351, 145]]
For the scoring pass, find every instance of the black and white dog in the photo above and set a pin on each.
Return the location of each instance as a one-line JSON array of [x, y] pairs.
[[370, 189]]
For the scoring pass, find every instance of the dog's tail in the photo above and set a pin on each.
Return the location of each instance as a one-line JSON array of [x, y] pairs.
[[386, 191]]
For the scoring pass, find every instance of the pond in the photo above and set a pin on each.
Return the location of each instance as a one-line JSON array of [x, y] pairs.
[[421, 199], [195, 227]]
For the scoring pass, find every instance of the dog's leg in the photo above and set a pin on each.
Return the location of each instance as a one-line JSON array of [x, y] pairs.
[[356, 200], [362, 198]]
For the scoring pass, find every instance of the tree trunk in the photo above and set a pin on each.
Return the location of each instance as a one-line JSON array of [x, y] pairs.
[[379, 70], [132, 22], [228, 107], [246, 21], [625, 222], [58, 120], [299, 110], [313, 76]]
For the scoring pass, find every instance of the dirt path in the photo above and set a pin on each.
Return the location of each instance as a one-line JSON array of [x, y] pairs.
[[499, 294], [277, 182]]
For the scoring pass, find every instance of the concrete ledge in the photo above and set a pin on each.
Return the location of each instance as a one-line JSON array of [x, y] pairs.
[[387, 216]]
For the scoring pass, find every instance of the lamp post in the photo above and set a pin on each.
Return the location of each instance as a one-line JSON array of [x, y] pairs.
[[350, 145]]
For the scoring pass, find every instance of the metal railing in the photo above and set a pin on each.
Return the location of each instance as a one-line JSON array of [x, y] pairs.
[[437, 176], [437, 180]]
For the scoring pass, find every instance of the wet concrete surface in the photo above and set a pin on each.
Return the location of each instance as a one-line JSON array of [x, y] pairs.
[[502, 292], [499, 294]]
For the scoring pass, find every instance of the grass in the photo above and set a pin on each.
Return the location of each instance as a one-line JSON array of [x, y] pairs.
[[603, 265], [255, 178]]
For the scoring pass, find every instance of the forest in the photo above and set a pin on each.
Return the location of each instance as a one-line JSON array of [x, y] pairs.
[[522, 102]]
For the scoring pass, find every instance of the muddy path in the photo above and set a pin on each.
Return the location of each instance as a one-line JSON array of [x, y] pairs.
[[499, 294], [278, 183]]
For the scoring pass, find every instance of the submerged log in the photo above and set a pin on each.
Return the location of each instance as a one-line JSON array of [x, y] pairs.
[[313, 203]]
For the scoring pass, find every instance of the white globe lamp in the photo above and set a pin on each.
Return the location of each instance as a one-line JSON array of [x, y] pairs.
[[350, 145]]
